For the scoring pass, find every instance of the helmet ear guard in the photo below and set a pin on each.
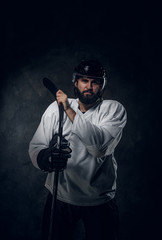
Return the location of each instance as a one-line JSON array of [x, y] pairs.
[[104, 82], [74, 78]]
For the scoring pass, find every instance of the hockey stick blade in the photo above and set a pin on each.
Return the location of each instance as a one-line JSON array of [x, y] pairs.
[[50, 86]]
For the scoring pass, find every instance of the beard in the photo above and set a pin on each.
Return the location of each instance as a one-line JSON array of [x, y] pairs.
[[87, 99]]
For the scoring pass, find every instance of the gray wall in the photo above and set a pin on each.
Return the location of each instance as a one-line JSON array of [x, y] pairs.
[[51, 47]]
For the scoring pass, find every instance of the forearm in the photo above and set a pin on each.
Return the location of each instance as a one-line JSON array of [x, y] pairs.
[[63, 99], [95, 138], [70, 113]]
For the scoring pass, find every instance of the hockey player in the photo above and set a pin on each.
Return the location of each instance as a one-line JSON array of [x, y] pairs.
[[92, 128]]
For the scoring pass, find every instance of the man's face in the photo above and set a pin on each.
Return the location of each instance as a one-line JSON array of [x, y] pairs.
[[88, 90]]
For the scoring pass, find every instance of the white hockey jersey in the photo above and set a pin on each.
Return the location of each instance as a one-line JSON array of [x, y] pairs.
[[90, 176]]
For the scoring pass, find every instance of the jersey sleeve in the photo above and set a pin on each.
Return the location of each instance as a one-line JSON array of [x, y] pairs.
[[101, 139], [43, 134]]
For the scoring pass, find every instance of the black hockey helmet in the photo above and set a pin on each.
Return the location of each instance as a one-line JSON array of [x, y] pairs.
[[90, 69]]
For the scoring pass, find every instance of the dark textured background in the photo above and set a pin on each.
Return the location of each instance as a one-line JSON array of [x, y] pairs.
[[48, 41]]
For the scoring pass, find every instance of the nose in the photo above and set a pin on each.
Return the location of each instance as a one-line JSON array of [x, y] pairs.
[[89, 85]]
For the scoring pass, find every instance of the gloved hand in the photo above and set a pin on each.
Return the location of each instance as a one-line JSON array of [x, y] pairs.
[[51, 159]]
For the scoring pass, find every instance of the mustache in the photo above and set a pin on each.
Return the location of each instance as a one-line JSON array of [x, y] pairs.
[[89, 91]]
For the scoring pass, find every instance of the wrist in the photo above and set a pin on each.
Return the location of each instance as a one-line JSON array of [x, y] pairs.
[[66, 106]]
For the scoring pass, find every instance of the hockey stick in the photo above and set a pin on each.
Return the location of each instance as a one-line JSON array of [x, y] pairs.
[[53, 89]]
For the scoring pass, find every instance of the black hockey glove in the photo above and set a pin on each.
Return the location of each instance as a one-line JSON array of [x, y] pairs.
[[51, 159]]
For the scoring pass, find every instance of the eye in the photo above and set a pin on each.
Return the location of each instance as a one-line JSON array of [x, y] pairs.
[[95, 82], [84, 80]]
